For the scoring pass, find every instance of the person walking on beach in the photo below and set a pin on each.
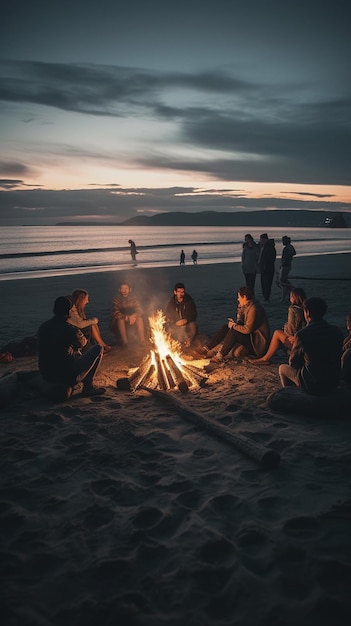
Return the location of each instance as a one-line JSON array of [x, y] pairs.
[[60, 358], [284, 337], [194, 256], [133, 250], [249, 260], [181, 316], [126, 314], [182, 258], [285, 266], [315, 359], [249, 334], [77, 317], [266, 264]]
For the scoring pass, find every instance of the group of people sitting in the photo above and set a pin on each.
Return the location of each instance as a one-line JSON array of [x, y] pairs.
[[71, 346], [319, 356]]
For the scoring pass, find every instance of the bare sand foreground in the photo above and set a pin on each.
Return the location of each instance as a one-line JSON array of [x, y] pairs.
[[114, 510]]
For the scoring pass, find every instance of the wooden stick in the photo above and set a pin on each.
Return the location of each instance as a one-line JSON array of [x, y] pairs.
[[269, 459], [161, 376], [177, 375], [143, 382], [196, 373]]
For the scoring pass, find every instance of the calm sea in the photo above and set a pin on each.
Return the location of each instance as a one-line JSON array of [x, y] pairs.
[[37, 251]]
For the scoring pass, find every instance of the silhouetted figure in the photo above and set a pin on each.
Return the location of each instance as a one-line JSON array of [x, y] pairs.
[[249, 260], [133, 250], [285, 266], [182, 258], [315, 358], [194, 257], [60, 357], [266, 264]]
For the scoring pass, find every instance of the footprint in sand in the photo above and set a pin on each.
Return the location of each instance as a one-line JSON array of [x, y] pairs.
[[147, 518]]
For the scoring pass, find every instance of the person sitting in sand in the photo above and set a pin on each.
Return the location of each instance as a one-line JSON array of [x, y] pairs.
[[249, 334], [315, 359], [60, 357], [346, 352], [284, 337], [78, 318], [181, 314], [126, 313]]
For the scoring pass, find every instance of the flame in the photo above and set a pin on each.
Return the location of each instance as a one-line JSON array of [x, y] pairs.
[[163, 342]]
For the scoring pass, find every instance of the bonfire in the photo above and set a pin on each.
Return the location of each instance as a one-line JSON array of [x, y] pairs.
[[165, 367]]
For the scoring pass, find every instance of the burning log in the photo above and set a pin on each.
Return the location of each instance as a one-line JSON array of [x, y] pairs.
[[144, 380], [195, 373], [269, 459], [177, 375], [170, 379], [161, 376]]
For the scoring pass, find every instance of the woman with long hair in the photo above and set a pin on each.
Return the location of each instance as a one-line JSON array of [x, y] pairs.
[[77, 317], [284, 337]]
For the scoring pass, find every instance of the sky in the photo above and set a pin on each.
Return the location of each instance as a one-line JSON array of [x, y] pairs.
[[110, 110]]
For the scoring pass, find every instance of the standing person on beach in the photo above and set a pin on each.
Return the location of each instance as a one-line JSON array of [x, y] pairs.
[[182, 258], [285, 266], [77, 317], [284, 337], [60, 359], [249, 334], [266, 264], [315, 359], [127, 313], [194, 256], [181, 316], [133, 250], [249, 260]]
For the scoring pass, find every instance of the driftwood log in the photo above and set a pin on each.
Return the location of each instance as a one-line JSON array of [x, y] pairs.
[[269, 459]]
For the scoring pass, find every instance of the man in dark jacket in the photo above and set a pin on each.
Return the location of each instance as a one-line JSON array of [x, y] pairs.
[[315, 359], [181, 316], [60, 359]]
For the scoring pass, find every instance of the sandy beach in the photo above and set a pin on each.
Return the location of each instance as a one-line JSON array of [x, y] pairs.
[[117, 510]]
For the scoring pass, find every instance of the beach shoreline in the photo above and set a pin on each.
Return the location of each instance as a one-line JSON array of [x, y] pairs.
[[27, 303]]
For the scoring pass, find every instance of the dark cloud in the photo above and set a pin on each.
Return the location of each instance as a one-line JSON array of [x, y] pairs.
[[260, 133]]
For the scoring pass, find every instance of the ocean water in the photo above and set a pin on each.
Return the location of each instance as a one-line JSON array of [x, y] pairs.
[[37, 251]]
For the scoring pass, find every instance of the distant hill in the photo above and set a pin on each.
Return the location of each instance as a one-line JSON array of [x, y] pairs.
[[298, 218], [266, 219]]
